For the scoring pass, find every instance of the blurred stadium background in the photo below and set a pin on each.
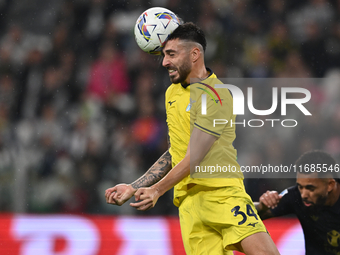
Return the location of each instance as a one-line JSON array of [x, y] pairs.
[[82, 107]]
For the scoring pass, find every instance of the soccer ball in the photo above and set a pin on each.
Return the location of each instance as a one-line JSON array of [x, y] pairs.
[[153, 28]]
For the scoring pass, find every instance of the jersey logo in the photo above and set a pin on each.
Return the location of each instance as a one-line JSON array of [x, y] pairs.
[[252, 224], [315, 218], [171, 102], [213, 90], [190, 104], [333, 238], [216, 100]]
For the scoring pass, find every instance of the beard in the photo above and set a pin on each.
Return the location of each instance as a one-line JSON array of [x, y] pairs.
[[316, 207], [183, 71]]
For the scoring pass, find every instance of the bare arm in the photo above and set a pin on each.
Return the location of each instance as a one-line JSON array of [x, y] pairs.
[[155, 173], [199, 145], [120, 193]]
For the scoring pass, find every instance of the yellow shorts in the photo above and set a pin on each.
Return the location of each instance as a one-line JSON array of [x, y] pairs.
[[214, 219]]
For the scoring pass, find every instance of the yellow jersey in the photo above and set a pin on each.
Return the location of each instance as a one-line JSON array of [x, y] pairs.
[[184, 111]]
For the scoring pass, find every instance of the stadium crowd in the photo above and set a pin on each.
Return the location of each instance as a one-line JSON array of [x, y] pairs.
[[82, 107]]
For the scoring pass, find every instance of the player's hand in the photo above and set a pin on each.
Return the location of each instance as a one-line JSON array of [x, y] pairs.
[[148, 197], [119, 194], [270, 199]]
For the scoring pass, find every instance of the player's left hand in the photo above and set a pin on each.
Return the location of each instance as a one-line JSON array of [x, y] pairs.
[[148, 197]]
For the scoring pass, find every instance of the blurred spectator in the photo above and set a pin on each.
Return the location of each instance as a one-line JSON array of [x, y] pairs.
[[108, 77], [313, 50], [279, 44], [332, 45], [53, 91], [49, 127], [319, 12], [148, 131], [8, 94], [294, 67], [30, 83], [277, 11], [16, 43]]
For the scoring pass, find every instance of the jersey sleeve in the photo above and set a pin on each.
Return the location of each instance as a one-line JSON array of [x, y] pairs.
[[286, 204], [217, 115]]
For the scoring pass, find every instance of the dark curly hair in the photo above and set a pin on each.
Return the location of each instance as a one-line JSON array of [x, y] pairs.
[[191, 32], [325, 161]]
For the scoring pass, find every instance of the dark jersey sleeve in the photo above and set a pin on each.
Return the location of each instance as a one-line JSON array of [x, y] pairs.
[[286, 204]]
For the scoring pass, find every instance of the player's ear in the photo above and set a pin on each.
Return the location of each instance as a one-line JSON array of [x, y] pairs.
[[195, 54], [331, 184]]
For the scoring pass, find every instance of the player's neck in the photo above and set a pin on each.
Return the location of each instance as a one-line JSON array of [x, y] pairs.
[[200, 73]]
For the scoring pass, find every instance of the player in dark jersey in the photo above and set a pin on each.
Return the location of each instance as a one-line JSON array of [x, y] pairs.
[[314, 200]]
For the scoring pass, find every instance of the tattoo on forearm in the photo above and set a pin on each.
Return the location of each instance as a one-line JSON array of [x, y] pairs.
[[155, 173]]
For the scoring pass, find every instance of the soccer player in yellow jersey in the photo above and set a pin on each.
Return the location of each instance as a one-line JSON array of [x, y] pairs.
[[216, 214]]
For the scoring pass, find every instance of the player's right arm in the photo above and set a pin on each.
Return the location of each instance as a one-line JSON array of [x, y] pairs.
[[267, 201], [120, 193]]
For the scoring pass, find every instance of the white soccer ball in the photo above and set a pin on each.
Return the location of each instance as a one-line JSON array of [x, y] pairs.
[[153, 28]]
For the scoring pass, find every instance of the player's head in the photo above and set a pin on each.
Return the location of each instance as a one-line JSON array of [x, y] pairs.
[[189, 32], [184, 48], [316, 177]]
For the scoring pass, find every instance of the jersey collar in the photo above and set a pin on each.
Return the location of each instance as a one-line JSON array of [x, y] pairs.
[[208, 69]]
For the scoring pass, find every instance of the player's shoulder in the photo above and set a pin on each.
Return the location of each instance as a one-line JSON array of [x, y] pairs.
[[213, 80], [222, 93], [292, 191], [171, 89], [289, 203], [210, 82]]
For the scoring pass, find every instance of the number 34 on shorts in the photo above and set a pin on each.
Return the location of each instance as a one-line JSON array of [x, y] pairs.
[[244, 215]]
